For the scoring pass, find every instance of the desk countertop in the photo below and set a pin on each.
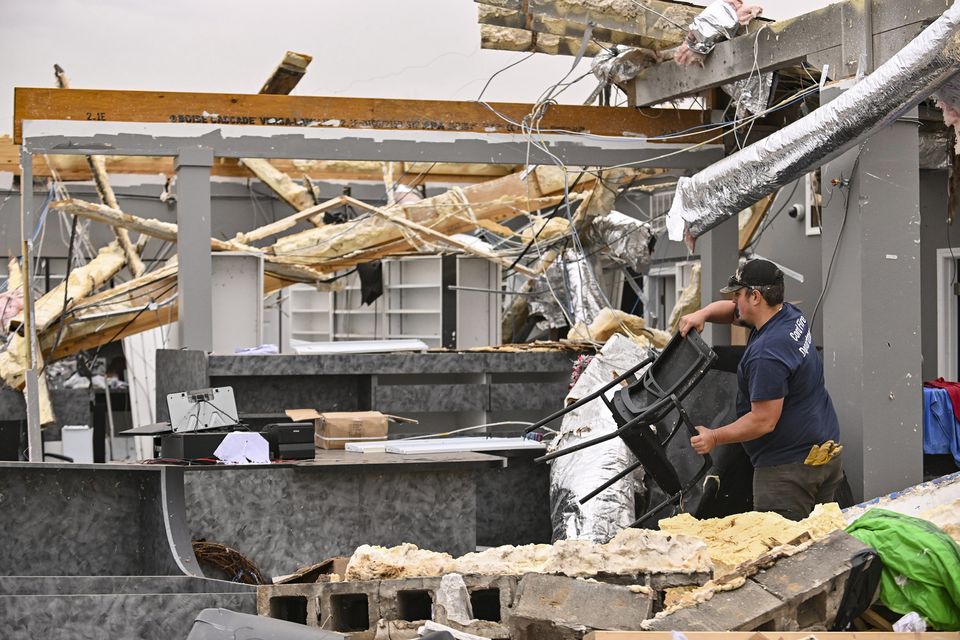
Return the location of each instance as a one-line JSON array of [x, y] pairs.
[[324, 461]]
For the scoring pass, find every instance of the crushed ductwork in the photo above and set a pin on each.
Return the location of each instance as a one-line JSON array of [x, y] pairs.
[[751, 94], [611, 240], [741, 179], [570, 282], [619, 65], [622, 240]]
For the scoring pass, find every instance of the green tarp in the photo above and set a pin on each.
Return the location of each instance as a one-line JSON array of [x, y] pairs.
[[921, 566]]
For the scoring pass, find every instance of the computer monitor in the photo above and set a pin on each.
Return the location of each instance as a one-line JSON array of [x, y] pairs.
[[202, 409]]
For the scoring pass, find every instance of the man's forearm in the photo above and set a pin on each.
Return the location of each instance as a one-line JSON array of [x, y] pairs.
[[746, 428]]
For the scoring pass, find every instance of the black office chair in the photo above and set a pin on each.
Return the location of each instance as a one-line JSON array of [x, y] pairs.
[[643, 402]]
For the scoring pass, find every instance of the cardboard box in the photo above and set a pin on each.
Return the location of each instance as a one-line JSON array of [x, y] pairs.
[[333, 430]]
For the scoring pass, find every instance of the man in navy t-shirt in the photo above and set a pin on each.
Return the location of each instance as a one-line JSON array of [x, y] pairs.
[[786, 418]]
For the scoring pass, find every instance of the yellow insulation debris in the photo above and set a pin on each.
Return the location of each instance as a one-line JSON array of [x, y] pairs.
[[746, 536]]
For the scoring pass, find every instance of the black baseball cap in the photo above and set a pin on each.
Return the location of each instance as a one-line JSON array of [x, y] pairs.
[[754, 274]]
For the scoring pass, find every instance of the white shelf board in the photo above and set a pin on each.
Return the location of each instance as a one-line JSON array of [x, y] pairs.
[[412, 312], [412, 286]]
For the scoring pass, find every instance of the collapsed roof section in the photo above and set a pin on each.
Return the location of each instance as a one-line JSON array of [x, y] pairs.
[[739, 180], [558, 26]]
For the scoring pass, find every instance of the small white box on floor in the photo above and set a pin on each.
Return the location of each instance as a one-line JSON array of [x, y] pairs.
[[78, 442]]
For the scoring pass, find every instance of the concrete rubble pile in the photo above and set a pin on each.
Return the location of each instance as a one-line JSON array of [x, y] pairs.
[[743, 572]]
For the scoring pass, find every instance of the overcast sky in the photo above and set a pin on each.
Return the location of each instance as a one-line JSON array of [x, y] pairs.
[[367, 48]]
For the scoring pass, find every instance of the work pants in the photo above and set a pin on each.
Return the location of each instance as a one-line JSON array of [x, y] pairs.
[[792, 490]]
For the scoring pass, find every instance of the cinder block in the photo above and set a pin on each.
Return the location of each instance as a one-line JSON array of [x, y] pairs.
[[492, 598], [749, 608], [801, 592], [563, 607], [811, 583], [292, 602], [350, 607], [410, 599]]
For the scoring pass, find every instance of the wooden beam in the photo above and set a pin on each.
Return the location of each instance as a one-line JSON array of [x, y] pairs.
[[654, 19], [442, 238], [168, 231], [451, 212], [14, 361], [340, 113], [296, 195], [84, 333], [757, 213], [287, 74], [99, 170], [289, 222], [285, 77]]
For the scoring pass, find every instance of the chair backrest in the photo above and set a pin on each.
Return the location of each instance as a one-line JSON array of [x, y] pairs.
[[678, 369]]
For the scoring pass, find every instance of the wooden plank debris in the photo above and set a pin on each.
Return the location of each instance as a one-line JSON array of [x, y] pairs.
[[48, 308], [424, 230], [456, 211], [283, 80], [279, 226], [168, 231], [757, 214], [296, 195], [99, 170], [99, 173], [287, 74]]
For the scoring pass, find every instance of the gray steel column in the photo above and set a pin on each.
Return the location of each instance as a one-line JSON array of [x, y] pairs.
[[31, 380], [194, 289], [871, 309], [719, 257]]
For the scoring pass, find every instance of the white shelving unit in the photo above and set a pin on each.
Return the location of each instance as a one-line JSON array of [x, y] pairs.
[[353, 320], [416, 303], [412, 292], [309, 314]]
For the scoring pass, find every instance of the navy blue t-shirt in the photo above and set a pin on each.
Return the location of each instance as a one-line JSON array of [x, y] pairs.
[[780, 361]]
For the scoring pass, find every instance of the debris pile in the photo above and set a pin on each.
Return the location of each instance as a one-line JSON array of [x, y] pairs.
[[743, 537], [631, 552]]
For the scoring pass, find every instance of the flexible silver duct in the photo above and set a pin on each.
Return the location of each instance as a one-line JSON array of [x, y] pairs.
[[739, 180], [574, 476]]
